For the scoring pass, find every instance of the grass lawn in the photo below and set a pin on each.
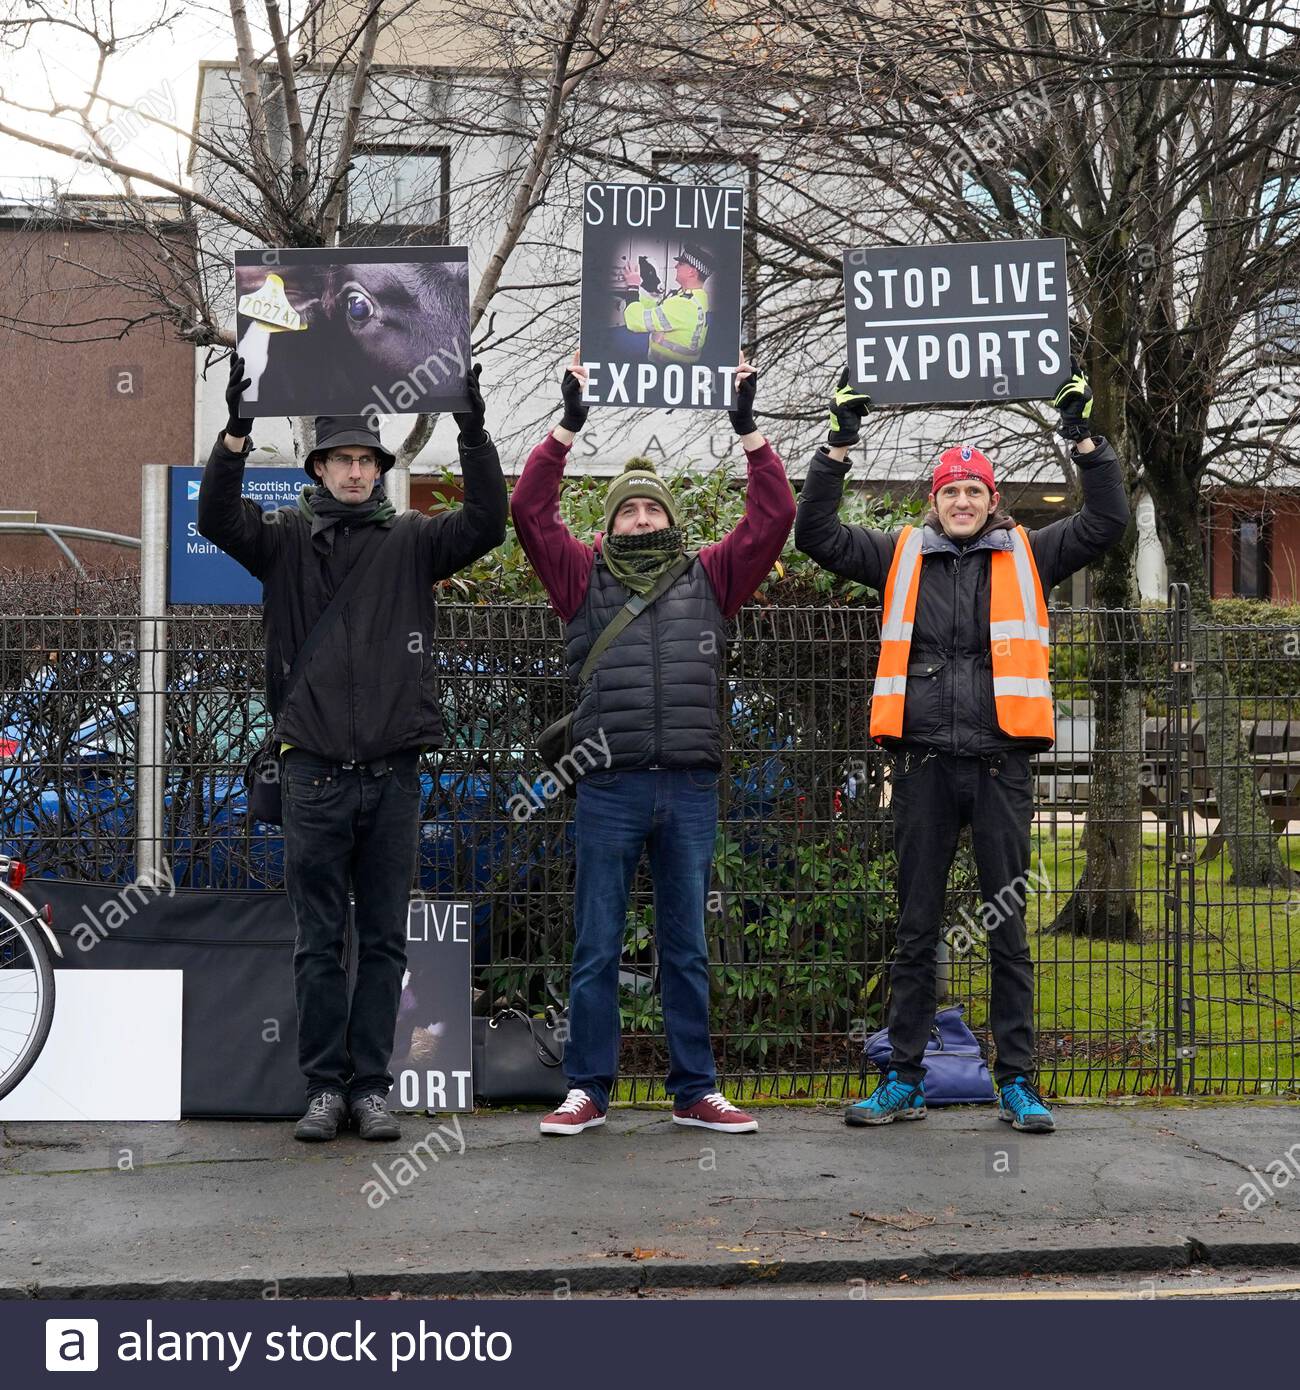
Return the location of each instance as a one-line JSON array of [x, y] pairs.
[[1103, 1023]]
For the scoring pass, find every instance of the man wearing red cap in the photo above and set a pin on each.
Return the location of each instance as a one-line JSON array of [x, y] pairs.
[[961, 700]]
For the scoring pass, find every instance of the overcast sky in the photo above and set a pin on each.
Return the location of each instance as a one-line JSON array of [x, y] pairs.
[[154, 76]]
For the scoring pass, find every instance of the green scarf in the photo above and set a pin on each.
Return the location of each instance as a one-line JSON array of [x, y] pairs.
[[325, 511], [637, 561]]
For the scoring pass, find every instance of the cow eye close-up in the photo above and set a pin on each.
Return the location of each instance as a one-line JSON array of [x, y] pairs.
[[359, 307]]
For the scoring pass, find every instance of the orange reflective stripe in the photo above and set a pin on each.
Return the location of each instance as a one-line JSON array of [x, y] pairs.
[[1019, 642], [897, 617]]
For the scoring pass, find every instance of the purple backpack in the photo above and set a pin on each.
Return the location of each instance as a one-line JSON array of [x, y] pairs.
[[955, 1070]]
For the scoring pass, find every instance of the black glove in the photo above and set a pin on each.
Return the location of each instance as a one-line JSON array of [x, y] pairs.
[[742, 413], [650, 281], [1074, 400], [848, 410], [575, 408], [240, 426], [470, 422]]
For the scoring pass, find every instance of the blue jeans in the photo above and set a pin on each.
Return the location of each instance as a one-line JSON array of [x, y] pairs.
[[674, 815], [349, 829]]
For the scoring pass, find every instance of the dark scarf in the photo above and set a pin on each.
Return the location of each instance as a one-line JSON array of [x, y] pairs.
[[325, 512], [637, 561]]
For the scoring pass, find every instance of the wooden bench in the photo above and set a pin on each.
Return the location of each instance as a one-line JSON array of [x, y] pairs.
[[1063, 773]]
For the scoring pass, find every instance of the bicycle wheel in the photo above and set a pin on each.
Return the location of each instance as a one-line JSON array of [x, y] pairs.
[[26, 994]]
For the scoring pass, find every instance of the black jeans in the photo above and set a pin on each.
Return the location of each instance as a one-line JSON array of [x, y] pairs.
[[349, 828], [934, 795]]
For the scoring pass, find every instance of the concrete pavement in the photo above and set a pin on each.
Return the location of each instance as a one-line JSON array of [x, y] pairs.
[[481, 1203]]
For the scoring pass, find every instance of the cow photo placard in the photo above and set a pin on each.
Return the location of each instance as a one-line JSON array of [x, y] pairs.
[[371, 331], [661, 293], [971, 321]]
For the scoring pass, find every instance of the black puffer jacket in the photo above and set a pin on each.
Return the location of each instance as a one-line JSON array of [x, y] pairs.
[[949, 702], [371, 687], [654, 693]]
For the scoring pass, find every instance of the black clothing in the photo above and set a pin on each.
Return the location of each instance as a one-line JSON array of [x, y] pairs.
[[654, 694], [934, 794], [371, 686]]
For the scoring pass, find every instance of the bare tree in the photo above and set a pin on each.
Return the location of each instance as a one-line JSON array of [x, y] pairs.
[[277, 164], [1163, 144]]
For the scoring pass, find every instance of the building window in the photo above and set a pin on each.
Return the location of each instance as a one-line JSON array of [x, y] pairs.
[[1251, 562], [398, 196], [1277, 330], [1277, 319], [1024, 201], [723, 169]]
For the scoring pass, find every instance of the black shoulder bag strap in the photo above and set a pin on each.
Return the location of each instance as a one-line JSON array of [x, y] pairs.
[[322, 624], [635, 606]]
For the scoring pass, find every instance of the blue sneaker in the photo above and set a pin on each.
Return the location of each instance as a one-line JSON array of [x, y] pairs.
[[891, 1100], [1020, 1104]]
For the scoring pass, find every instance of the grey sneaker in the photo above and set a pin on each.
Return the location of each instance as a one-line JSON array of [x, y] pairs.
[[325, 1114], [371, 1118]]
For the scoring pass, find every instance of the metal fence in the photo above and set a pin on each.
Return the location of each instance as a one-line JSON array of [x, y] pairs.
[[1162, 919]]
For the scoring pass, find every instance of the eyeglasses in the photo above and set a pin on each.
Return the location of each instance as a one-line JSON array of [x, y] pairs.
[[347, 460]]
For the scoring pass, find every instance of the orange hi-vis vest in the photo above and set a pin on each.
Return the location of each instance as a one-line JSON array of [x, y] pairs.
[[1018, 639]]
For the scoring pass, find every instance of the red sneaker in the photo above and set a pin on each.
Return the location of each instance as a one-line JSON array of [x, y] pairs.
[[576, 1112], [715, 1111]]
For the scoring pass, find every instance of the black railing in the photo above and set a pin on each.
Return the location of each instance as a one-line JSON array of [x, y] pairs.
[[1162, 918]]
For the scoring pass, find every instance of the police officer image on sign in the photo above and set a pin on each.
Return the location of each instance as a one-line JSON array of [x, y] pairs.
[[676, 323], [961, 700]]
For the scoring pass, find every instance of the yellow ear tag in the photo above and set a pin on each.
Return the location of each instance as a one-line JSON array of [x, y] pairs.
[[270, 307]]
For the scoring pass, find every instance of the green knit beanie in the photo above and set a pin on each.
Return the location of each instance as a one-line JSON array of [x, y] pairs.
[[638, 479]]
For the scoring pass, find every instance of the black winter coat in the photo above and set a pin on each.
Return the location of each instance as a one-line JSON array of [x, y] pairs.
[[949, 703], [371, 688]]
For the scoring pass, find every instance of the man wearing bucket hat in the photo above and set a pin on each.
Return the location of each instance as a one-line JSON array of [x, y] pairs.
[[651, 704], [961, 700], [353, 723], [677, 323]]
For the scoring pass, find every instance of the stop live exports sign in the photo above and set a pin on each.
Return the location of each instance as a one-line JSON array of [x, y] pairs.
[[971, 321]]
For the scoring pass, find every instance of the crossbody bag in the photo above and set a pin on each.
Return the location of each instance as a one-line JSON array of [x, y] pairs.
[[555, 743]]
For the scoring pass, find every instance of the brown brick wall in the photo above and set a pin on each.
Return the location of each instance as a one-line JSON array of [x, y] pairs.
[[1284, 521], [77, 418]]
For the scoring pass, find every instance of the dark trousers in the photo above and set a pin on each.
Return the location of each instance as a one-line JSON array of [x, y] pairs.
[[674, 816], [934, 796], [349, 828]]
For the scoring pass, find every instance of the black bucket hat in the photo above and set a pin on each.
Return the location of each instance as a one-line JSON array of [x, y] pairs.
[[335, 431]]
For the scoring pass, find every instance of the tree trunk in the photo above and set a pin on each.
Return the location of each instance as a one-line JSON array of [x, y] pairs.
[[1250, 840], [1103, 903]]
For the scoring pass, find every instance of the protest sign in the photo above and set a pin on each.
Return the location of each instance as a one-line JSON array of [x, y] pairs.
[[370, 331], [971, 321], [432, 1051], [661, 271]]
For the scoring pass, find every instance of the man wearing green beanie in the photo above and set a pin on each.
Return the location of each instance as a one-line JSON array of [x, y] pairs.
[[636, 557], [651, 703]]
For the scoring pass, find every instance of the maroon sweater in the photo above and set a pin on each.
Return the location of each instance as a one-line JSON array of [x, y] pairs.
[[736, 565]]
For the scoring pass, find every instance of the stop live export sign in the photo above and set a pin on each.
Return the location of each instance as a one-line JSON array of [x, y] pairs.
[[970, 321]]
